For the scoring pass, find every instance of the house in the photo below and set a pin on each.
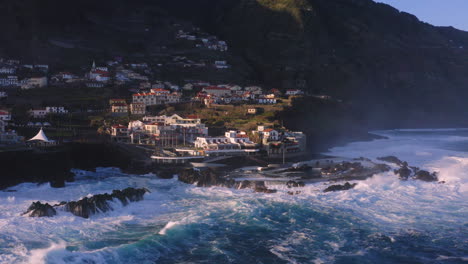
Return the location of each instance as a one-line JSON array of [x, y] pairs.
[[270, 134], [215, 143], [252, 111], [234, 143], [66, 75], [137, 108], [160, 91], [7, 70], [117, 101], [161, 97], [257, 90], [9, 81], [119, 108], [3, 94], [95, 84], [173, 97], [8, 137], [265, 100], [294, 92], [136, 126], [216, 91], [31, 83], [56, 110], [158, 85], [267, 134], [38, 113], [139, 65], [188, 87], [42, 67], [276, 92], [221, 65], [119, 133], [5, 115]]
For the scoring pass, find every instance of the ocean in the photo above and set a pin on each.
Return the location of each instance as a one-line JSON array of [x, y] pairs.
[[381, 220]]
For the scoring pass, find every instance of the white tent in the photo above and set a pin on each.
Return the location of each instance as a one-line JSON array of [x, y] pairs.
[[41, 136]]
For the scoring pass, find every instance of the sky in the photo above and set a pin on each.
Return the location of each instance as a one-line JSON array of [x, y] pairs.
[[435, 12]]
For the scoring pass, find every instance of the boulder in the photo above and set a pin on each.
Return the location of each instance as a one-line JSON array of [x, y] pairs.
[[38, 209], [338, 187], [292, 184], [260, 187], [403, 172], [426, 176], [204, 178]]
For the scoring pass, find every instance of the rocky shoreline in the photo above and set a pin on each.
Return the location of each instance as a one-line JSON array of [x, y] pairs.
[[87, 206], [54, 164]]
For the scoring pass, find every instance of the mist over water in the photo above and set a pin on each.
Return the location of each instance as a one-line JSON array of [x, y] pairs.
[[382, 220]]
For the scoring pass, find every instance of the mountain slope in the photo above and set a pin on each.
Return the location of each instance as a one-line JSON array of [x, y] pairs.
[[389, 67]]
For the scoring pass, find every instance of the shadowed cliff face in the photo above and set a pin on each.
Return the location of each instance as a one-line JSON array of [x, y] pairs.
[[387, 64]]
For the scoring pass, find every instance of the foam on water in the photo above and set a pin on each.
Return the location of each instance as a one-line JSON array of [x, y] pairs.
[[381, 220]]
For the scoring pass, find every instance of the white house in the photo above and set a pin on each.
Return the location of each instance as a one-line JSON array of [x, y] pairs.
[[294, 92], [268, 134], [221, 65], [56, 110], [5, 115], [38, 113], [31, 83], [7, 70], [9, 81], [136, 126]]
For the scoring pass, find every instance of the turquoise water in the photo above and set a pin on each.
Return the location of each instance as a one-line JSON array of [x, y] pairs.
[[382, 220]]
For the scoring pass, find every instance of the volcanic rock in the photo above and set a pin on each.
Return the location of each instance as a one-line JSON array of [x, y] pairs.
[[38, 209], [426, 176], [292, 184], [338, 187]]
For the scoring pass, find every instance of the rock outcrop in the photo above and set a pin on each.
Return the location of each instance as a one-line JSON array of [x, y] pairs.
[[38, 209], [403, 173], [394, 160], [293, 184], [338, 187], [426, 176], [88, 205], [209, 178]]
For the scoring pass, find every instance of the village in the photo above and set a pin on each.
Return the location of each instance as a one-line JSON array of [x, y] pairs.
[[129, 101]]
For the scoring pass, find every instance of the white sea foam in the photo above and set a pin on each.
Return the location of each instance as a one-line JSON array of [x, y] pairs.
[[172, 208]]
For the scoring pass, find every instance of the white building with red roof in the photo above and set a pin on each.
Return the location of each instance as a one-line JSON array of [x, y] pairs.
[[5, 115]]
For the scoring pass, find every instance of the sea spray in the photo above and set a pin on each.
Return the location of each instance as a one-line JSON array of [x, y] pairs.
[[382, 219]]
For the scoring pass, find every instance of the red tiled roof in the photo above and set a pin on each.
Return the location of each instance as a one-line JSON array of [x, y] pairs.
[[99, 72], [119, 126], [268, 130], [192, 117]]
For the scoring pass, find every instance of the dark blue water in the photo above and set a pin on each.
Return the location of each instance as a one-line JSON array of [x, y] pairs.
[[382, 220]]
